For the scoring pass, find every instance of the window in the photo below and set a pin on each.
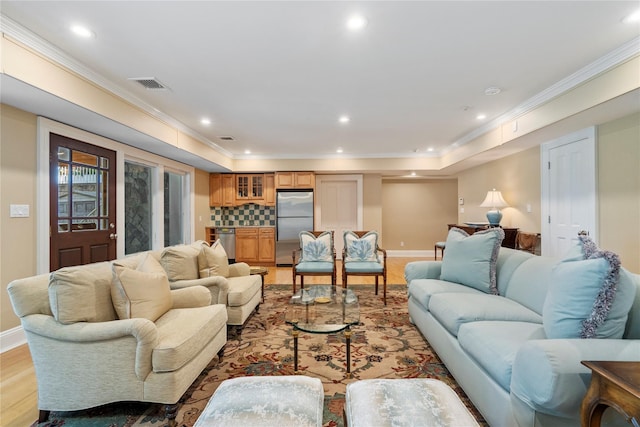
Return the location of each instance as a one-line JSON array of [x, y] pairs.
[[138, 197], [173, 208]]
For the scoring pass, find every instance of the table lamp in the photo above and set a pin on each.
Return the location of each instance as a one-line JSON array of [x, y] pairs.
[[494, 201]]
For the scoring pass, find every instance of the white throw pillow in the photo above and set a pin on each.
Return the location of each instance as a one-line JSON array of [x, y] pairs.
[[361, 248], [316, 249], [140, 294], [213, 260]]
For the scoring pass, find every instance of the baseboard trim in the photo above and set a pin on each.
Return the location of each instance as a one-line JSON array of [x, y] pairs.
[[410, 254], [12, 338]]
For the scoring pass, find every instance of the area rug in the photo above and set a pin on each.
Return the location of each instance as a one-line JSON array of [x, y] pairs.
[[384, 345]]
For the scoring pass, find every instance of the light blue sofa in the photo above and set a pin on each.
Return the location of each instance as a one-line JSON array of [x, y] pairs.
[[496, 347]]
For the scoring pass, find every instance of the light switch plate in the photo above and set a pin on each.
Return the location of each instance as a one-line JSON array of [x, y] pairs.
[[19, 211]]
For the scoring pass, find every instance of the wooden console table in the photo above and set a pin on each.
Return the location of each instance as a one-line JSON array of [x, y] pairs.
[[510, 234], [613, 384]]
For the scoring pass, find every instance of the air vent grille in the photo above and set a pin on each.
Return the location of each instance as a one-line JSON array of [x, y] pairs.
[[150, 83], [226, 138]]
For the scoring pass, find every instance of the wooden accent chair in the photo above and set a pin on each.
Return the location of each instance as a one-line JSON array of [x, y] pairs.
[[362, 256], [316, 256]]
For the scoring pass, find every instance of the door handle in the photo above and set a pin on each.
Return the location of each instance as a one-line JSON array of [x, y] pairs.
[[113, 236]]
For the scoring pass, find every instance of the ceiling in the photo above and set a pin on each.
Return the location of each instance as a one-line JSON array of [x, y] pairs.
[[277, 75]]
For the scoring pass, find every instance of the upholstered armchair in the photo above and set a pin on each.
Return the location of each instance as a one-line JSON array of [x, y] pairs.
[[362, 256], [115, 331], [316, 256]]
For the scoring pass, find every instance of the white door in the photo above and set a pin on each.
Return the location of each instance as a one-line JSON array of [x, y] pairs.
[[568, 191], [339, 206]]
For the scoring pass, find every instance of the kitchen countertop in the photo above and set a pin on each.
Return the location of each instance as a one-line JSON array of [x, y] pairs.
[[242, 226]]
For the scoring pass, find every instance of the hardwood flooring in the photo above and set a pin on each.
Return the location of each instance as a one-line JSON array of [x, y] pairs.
[[18, 387]]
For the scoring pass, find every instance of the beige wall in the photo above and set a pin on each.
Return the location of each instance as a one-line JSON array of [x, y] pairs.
[[17, 186], [517, 177], [619, 189], [372, 201], [417, 212], [202, 211]]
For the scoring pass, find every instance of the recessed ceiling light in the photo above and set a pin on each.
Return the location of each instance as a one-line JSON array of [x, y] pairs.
[[481, 116], [82, 31], [633, 17], [205, 121], [344, 119], [339, 150], [413, 174], [247, 151], [492, 90], [430, 149], [356, 23]]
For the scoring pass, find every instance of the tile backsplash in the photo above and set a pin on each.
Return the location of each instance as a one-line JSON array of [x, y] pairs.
[[249, 214]]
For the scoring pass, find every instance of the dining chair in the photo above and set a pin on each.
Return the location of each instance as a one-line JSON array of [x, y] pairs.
[[362, 256], [316, 256]]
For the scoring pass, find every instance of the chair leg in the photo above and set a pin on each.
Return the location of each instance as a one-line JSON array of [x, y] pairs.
[[384, 291], [43, 415], [435, 252], [170, 412], [376, 285]]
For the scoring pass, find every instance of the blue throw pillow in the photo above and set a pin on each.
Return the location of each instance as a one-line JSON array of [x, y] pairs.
[[471, 260], [586, 298], [316, 248], [361, 248]]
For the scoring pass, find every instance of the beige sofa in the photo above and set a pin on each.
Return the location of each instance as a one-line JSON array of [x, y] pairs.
[[115, 331], [199, 264]]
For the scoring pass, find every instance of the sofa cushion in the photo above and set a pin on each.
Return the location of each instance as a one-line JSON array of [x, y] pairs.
[[316, 248], [361, 248], [242, 289], [140, 294], [213, 260], [494, 345], [584, 300], [455, 309], [471, 260], [183, 333], [180, 262], [421, 290], [82, 294]]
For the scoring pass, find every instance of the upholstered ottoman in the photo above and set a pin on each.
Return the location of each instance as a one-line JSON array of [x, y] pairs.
[[295, 401], [403, 403]]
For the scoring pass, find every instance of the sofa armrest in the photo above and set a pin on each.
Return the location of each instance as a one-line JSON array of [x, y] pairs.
[[218, 287], [143, 330], [193, 296], [422, 270], [239, 269], [548, 377]]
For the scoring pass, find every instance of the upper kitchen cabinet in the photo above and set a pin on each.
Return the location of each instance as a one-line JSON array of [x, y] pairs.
[[269, 189], [222, 189], [306, 180], [250, 188]]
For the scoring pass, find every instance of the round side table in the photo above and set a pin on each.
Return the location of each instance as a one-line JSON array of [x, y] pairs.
[[262, 271]]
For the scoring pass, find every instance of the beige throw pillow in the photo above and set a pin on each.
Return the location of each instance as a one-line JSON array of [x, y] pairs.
[[140, 293], [180, 262], [213, 261]]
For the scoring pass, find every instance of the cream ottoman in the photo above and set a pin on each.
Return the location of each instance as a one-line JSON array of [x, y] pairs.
[[295, 401], [403, 403]]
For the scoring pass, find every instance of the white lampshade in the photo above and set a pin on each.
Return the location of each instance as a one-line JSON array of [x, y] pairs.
[[494, 200]]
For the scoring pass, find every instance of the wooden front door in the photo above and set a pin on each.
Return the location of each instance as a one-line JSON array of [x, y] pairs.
[[82, 190]]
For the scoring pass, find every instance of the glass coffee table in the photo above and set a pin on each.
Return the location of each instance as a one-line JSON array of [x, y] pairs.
[[323, 309]]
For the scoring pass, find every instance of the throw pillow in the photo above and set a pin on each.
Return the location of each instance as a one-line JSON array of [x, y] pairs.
[[584, 299], [470, 260], [213, 260], [316, 248], [139, 294], [180, 262], [361, 248]]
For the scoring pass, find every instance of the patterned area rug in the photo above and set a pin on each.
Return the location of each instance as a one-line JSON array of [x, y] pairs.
[[384, 345]]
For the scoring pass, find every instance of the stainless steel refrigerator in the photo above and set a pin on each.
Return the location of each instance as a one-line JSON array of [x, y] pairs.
[[294, 213]]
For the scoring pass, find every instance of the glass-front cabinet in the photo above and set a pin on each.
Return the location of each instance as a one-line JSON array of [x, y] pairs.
[[249, 186]]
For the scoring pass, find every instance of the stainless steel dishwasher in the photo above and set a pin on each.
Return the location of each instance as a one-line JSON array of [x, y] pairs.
[[227, 236]]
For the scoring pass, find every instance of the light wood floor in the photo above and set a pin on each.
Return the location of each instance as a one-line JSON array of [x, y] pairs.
[[18, 388]]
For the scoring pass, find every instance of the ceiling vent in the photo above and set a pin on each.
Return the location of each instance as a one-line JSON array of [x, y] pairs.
[[226, 138], [150, 83]]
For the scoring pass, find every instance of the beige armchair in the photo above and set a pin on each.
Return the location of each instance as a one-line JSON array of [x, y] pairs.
[[109, 332]]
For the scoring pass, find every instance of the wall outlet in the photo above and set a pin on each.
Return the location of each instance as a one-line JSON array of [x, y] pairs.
[[401, 243], [461, 210], [529, 207]]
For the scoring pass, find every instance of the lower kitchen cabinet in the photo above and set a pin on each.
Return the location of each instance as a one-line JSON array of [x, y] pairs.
[[256, 245]]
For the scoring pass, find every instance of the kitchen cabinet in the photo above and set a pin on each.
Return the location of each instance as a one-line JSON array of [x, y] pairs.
[[269, 189], [256, 245], [222, 189], [250, 188], [247, 245], [306, 180], [267, 245]]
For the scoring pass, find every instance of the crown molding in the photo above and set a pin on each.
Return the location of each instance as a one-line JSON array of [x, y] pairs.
[[52, 53], [611, 60]]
